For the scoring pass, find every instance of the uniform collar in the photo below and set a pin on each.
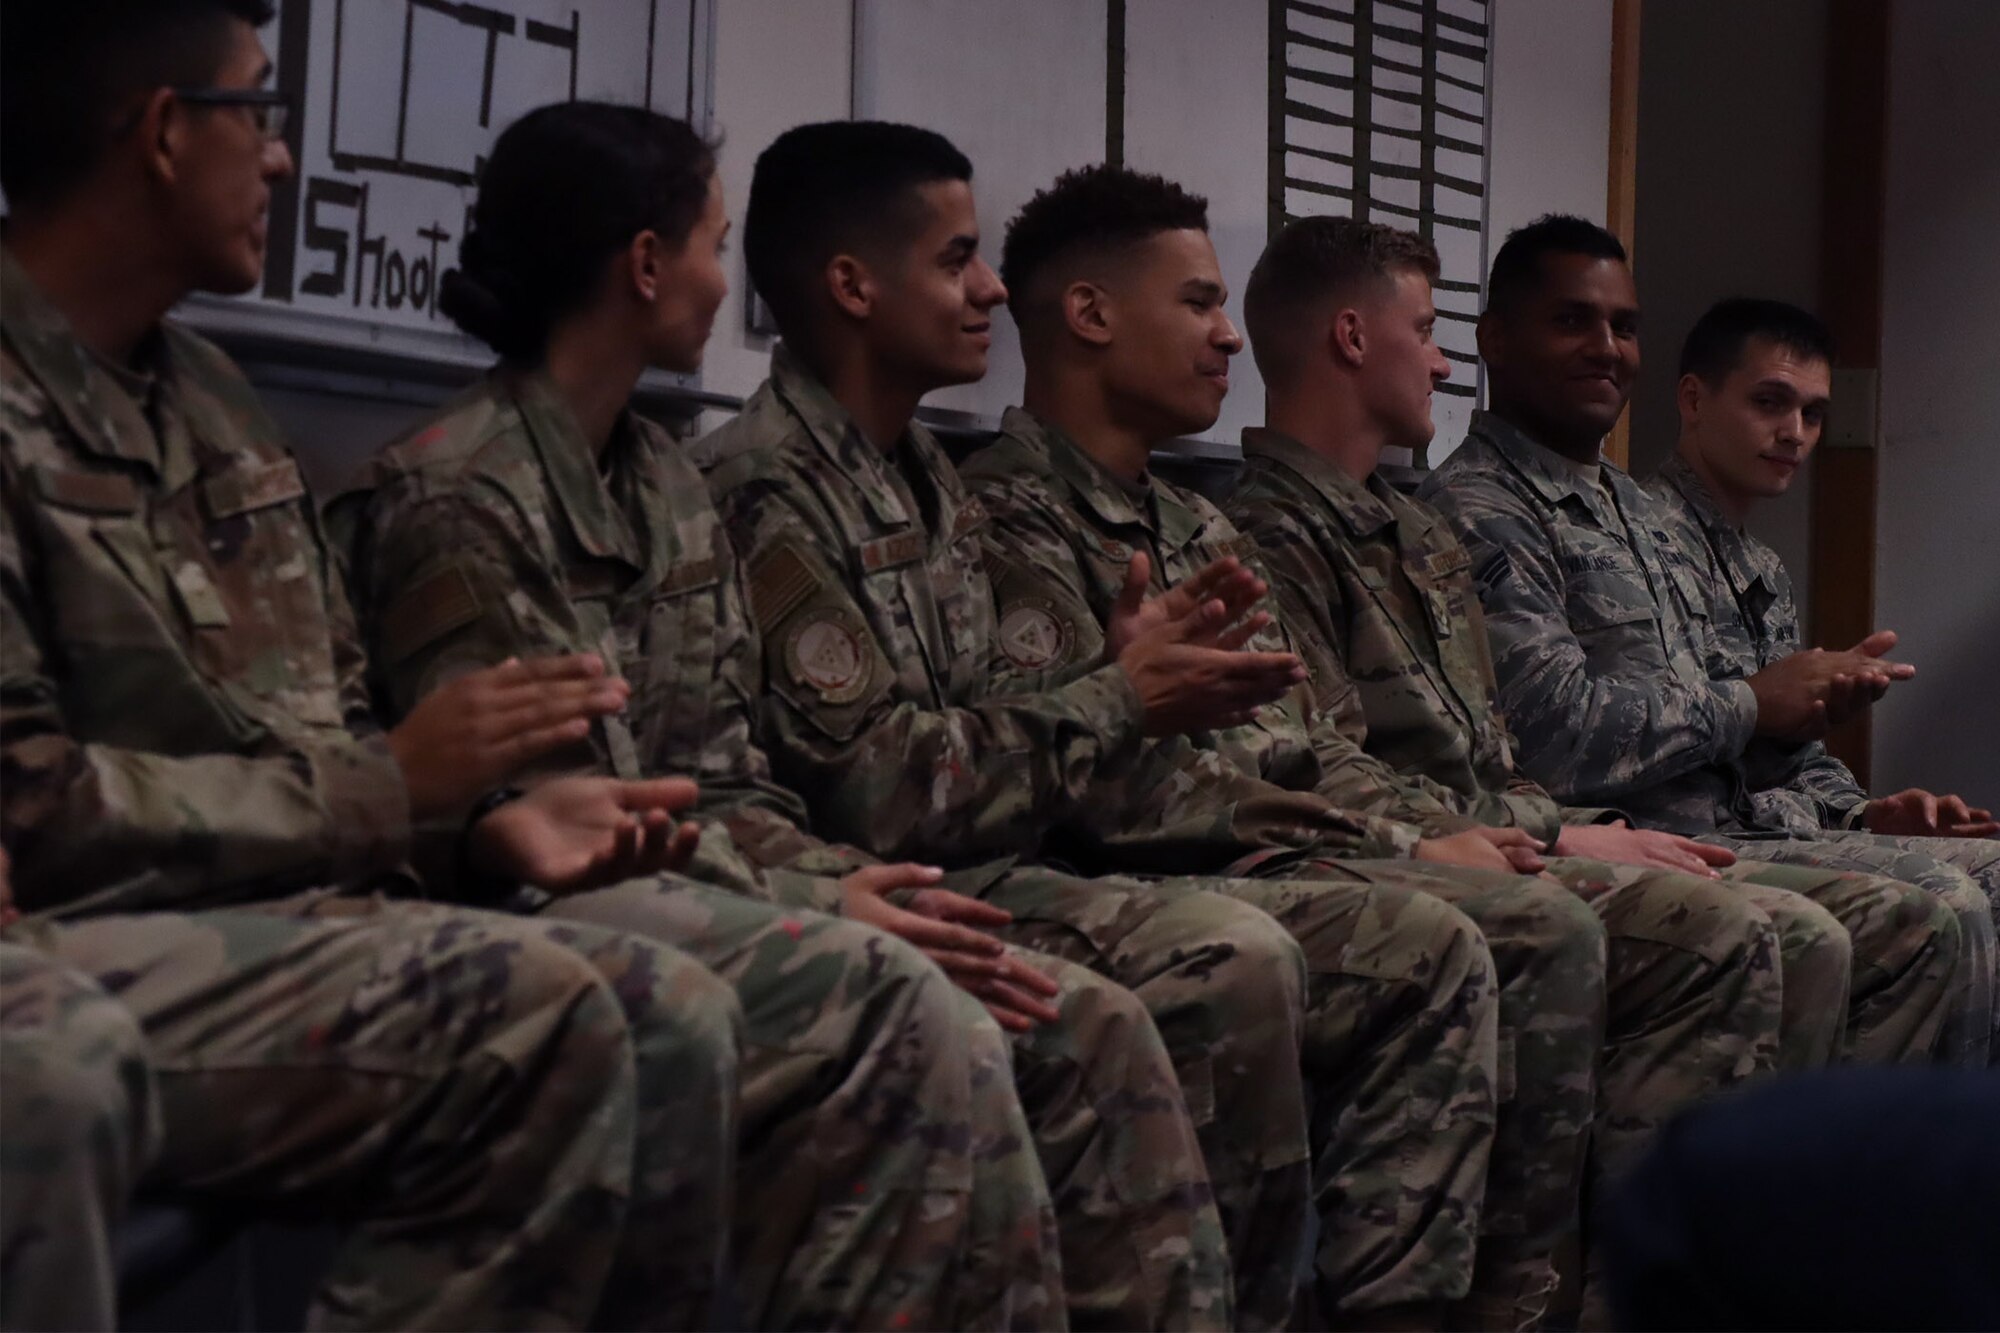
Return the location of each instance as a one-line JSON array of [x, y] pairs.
[[1360, 510], [99, 413], [1153, 505], [1553, 476], [1678, 473], [569, 461], [838, 437], [1731, 545]]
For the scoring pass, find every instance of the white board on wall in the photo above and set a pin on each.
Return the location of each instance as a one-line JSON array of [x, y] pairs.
[[1019, 87], [1195, 112], [398, 102]]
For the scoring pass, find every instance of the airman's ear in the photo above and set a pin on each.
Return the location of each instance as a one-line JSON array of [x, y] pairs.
[[1347, 338], [852, 285], [1087, 312]]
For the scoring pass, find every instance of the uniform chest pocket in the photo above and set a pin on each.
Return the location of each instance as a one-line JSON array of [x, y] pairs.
[[1611, 611], [122, 627]]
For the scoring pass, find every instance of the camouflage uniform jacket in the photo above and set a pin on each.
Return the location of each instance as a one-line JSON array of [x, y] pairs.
[[1799, 788], [183, 714], [1062, 529], [492, 531], [880, 664], [1599, 633], [1378, 596]]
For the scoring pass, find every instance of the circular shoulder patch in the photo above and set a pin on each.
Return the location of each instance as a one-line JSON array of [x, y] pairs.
[[1033, 636], [826, 652]]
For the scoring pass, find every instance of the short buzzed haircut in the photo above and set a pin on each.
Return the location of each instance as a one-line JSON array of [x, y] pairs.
[[1311, 263], [1091, 210], [1716, 343], [1517, 269], [73, 72], [834, 188]]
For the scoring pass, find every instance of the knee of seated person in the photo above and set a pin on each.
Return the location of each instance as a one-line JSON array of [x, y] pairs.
[[1893, 913], [1560, 922], [885, 965], [1103, 1024], [1968, 902], [984, 1041], [669, 996], [544, 978], [1418, 940], [1701, 916], [1250, 954], [1814, 946], [83, 1079]]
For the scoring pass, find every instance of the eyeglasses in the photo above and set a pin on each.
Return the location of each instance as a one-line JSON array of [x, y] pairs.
[[270, 110]]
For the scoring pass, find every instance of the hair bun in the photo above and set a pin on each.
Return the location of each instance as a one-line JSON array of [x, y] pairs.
[[475, 297]]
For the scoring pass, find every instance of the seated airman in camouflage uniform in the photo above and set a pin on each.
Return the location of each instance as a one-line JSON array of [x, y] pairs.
[[1371, 583], [1116, 364], [519, 1125], [81, 1121], [1598, 644], [879, 707], [1755, 378], [551, 540]]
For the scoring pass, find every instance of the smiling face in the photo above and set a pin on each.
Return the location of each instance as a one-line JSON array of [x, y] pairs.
[[1564, 356], [1166, 363], [933, 299], [218, 196], [1754, 432]]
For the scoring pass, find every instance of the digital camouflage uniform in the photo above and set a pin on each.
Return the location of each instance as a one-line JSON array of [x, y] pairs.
[[79, 1121], [1797, 794], [1374, 590], [185, 753], [501, 497], [1063, 530], [492, 530], [879, 708], [1599, 648]]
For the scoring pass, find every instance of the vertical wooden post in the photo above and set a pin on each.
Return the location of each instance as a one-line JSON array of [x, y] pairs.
[[1853, 193], [1622, 189]]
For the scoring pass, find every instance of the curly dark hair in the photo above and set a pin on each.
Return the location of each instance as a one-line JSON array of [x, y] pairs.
[[1093, 208], [71, 70], [1308, 263]]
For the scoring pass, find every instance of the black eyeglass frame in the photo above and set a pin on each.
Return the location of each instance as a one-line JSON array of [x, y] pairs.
[[274, 108]]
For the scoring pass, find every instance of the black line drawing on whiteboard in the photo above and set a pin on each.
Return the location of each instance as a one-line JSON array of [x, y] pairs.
[[1378, 112], [487, 26]]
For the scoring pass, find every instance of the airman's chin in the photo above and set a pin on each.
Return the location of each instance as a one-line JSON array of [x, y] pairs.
[[237, 278]]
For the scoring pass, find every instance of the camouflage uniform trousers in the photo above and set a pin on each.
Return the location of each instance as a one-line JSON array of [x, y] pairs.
[[1401, 1061], [1392, 1156], [1694, 993], [457, 1089], [1965, 874], [1142, 1244], [1897, 946], [861, 1141], [79, 1120], [1216, 1177]]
